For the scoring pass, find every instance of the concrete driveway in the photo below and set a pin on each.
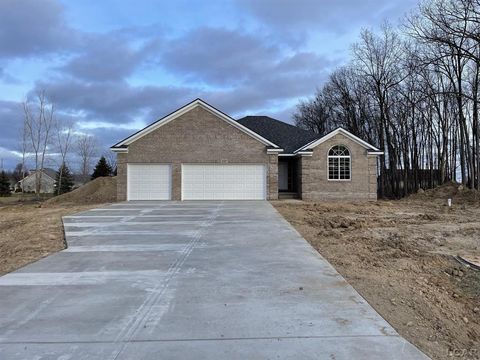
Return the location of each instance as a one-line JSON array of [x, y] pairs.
[[190, 280]]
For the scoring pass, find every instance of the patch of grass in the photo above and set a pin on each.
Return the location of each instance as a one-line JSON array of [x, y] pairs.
[[23, 198]]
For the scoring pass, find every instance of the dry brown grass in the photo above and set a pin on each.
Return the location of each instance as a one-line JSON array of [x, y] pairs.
[[30, 231]]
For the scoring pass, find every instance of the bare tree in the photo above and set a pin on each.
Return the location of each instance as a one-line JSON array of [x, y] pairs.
[[63, 141], [86, 148], [24, 148], [38, 122], [414, 92]]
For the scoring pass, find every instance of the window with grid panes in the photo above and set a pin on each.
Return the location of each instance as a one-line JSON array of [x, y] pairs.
[[339, 162]]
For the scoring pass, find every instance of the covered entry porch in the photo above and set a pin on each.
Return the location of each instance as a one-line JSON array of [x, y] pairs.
[[288, 177]]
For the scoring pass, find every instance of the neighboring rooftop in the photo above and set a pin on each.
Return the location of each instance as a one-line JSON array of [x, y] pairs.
[[288, 137], [50, 172]]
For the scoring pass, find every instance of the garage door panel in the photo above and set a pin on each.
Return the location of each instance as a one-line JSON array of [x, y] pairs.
[[223, 182], [149, 181]]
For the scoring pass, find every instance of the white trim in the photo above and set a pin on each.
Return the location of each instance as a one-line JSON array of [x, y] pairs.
[[375, 153], [185, 109], [274, 151], [305, 153], [317, 142], [119, 150]]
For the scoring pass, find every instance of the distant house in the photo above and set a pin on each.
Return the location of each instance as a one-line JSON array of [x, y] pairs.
[[47, 185]]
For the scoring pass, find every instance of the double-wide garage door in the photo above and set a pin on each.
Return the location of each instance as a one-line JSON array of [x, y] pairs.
[[223, 182], [199, 182]]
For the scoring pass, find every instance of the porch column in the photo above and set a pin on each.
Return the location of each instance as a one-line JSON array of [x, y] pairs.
[[272, 185]]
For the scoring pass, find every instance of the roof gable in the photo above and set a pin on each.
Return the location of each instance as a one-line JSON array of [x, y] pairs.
[[122, 145], [46, 173], [370, 148]]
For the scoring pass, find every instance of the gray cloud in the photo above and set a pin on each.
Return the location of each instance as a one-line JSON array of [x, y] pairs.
[[218, 56], [224, 57], [335, 16], [255, 73], [114, 102], [10, 122], [32, 27], [259, 65], [270, 91], [7, 78], [109, 57], [10, 117]]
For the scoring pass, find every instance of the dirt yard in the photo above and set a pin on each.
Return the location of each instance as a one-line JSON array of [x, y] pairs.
[[401, 257], [31, 230]]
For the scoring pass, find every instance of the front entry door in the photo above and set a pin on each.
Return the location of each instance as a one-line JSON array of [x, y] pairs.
[[283, 176]]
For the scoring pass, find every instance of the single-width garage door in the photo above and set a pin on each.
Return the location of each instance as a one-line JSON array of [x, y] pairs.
[[149, 182], [223, 182]]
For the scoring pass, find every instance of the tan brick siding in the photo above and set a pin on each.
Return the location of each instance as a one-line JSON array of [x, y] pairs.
[[272, 185], [197, 136], [314, 174]]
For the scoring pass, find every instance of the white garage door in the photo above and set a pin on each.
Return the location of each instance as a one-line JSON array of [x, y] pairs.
[[223, 182], [149, 182]]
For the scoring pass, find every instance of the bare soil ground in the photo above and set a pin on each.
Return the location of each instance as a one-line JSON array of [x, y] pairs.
[[32, 230], [400, 256]]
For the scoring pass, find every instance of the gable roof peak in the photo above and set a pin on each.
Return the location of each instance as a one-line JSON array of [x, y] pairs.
[[344, 132], [122, 145]]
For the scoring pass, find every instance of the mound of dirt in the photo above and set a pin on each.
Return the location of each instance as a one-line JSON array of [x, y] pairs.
[[98, 191], [450, 190]]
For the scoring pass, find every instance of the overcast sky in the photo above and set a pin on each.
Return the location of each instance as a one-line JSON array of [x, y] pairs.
[[115, 66]]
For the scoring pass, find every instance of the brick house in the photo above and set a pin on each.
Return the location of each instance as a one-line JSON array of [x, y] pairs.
[[199, 153]]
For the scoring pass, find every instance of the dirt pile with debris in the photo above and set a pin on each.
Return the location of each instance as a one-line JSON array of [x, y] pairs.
[[98, 191], [400, 256], [459, 194]]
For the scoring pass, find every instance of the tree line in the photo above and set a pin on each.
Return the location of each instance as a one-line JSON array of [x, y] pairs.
[[47, 138], [413, 91]]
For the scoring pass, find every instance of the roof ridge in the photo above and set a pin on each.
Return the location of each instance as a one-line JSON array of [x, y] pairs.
[[312, 133]]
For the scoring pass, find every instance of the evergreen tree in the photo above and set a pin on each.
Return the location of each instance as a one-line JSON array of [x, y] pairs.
[[18, 172], [4, 184], [102, 168], [63, 181]]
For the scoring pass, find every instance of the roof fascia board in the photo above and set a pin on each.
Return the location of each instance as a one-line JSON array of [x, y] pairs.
[[305, 153], [119, 150], [184, 110], [274, 151], [348, 134]]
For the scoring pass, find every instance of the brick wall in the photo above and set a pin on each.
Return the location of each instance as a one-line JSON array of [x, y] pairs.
[[197, 136], [314, 174]]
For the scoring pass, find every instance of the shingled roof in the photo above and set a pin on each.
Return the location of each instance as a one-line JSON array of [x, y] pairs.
[[48, 171], [288, 137]]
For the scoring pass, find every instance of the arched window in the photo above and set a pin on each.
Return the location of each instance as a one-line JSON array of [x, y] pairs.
[[339, 163]]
